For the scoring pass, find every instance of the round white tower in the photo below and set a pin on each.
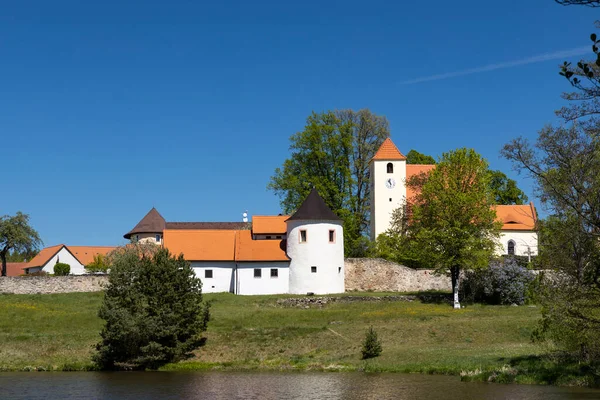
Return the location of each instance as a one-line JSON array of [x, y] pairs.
[[315, 245]]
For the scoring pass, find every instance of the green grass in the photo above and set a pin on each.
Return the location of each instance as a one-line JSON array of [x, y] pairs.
[[57, 332]]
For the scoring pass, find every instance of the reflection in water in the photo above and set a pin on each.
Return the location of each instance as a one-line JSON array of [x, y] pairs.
[[265, 386]]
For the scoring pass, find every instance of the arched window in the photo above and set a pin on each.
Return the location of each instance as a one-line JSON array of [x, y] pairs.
[[390, 168], [511, 248]]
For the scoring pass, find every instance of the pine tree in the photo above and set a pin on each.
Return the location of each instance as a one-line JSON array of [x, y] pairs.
[[371, 345]]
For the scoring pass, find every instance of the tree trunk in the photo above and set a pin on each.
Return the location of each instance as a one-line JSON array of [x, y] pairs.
[[455, 273], [3, 256]]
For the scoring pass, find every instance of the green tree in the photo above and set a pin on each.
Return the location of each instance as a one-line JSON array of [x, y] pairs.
[[505, 190], [451, 223], [16, 235], [98, 264], [371, 345], [332, 154], [414, 157], [62, 269], [152, 309]]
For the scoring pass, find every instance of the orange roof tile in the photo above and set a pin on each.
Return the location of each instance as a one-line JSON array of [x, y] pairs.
[[259, 250], [267, 224], [15, 268], [388, 151], [517, 217], [201, 245], [412, 170], [85, 254], [44, 256]]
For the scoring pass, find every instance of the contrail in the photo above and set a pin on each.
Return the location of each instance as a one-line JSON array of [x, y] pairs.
[[561, 54]]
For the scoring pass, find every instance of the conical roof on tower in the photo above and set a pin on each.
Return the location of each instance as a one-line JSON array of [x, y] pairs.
[[388, 151], [314, 208], [153, 222]]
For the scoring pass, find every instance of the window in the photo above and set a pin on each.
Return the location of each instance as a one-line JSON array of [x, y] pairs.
[[277, 237], [303, 236], [339, 270], [511, 248], [331, 236], [313, 269], [157, 238], [208, 273], [268, 237], [137, 238], [274, 272], [390, 168], [390, 199], [257, 272]]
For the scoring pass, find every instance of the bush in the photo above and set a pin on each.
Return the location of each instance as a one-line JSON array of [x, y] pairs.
[[371, 345], [503, 282], [152, 309], [62, 269], [99, 265]]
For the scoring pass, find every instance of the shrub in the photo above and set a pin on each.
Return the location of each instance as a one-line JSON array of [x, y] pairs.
[[371, 345], [503, 282], [152, 309], [62, 269], [98, 265]]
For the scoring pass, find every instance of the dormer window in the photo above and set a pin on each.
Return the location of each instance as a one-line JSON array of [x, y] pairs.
[[511, 248], [390, 168]]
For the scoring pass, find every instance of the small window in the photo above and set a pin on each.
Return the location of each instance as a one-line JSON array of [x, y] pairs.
[[331, 236], [303, 236], [268, 237], [339, 270], [313, 269], [208, 273], [157, 238], [511, 248], [257, 272], [390, 199], [274, 272], [390, 168], [137, 238], [277, 237]]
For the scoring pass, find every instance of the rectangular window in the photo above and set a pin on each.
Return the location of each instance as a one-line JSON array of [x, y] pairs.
[[390, 199], [313, 269], [208, 273], [339, 270], [268, 237], [303, 236], [277, 237], [257, 272], [157, 238], [274, 272], [331, 236]]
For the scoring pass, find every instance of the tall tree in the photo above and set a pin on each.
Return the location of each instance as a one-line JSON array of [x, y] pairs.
[[332, 154], [451, 223], [17, 235], [414, 157], [505, 190]]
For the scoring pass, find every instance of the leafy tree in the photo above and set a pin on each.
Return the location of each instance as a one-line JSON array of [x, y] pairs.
[[332, 154], [451, 224], [414, 157], [17, 235], [18, 256], [62, 269], [152, 309], [505, 190], [371, 345], [99, 264]]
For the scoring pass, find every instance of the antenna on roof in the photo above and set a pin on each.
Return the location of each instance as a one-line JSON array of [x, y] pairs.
[[245, 216]]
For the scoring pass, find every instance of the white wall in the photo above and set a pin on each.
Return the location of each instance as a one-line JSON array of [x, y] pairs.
[[64, 256], [381, 206], [222, 280], [524, 240], [318, 252], [148, 237], [248, 284]]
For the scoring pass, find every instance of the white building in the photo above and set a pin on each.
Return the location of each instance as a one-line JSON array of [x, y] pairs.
[[76, 256], [389, 173], [272, 255]]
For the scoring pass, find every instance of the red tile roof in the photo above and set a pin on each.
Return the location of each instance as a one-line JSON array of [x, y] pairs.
[[412, 170], [269, 224], [388, 151], [517, 217], [201, 245], [259, 250], [15, 268], [44, 256], [85, 254]]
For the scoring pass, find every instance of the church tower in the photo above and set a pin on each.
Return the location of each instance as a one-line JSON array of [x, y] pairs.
[[149, 229], [388, 185]]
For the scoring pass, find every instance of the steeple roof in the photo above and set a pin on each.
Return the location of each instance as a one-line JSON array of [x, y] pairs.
[[153, 222], [388, 151], [314, 208]]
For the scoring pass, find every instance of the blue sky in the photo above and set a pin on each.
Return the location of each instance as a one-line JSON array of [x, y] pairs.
[[111, 108]]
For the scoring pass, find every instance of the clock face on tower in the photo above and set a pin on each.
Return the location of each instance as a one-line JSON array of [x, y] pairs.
[[390, 183]]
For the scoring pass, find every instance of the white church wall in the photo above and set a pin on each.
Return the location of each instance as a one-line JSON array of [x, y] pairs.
[[222, 275], [317, 251], [63, 256], [525, 241], [381, 194], [249, 284]]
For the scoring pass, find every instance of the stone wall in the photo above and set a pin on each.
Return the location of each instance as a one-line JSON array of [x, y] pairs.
[[379, 275], [52, 284]]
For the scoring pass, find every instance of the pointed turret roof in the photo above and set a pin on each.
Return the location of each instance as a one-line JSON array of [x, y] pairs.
[[388, 151], [314, 208], [153, 222]]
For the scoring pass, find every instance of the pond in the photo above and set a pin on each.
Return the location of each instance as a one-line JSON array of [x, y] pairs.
[[265, 385]]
